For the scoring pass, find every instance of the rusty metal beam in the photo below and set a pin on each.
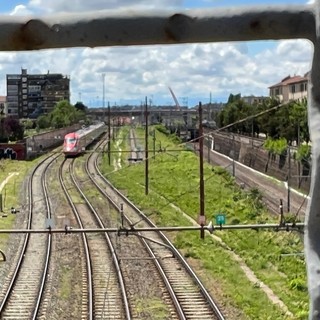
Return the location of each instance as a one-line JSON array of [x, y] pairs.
[[118, 28]]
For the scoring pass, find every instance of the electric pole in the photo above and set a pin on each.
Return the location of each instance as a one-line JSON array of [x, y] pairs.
[[146, 150], [103, 94], [109, 134], [202, 218]]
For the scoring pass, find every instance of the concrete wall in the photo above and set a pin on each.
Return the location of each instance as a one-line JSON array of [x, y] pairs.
[[261, 160]]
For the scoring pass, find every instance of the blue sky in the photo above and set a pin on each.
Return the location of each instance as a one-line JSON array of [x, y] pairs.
[[195, 72]]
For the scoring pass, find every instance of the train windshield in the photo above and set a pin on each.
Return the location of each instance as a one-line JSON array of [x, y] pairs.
[[70, 140]]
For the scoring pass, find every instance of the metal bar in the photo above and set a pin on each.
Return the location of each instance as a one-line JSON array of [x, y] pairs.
[[124, 28], [124, 231]]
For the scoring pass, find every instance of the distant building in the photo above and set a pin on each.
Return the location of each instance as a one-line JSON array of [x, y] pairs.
[[253, 99], [29, 95], [290, 88]]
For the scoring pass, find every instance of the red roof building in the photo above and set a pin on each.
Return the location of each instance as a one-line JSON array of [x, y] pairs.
[[290, 88]]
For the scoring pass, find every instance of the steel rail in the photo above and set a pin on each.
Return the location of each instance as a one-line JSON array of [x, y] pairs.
[[167, 242], [109, 244], [18, 267], [85, 243]]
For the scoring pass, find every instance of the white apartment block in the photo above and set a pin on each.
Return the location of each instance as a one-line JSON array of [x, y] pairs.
[[290, 88]]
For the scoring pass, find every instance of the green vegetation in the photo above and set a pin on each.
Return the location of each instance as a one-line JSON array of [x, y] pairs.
[[174, 181], [12, 174], [66, 283], [10, 130], [304, 152], [278, 146], [63, 115], [289, 121], [152, 309]]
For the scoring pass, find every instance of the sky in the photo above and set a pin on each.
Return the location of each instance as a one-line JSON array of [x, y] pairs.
[[204, 73]]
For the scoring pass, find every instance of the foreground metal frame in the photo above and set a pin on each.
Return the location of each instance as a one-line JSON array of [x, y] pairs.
[[119, 28]]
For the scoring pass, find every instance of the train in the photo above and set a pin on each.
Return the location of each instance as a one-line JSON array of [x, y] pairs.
[[75, 143]]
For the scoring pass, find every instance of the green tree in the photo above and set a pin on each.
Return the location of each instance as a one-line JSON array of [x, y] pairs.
[[64, 114], [80, 106], [11, 129], [43, 122]]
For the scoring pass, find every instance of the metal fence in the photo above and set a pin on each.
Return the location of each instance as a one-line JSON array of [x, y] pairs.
[[118, 28]]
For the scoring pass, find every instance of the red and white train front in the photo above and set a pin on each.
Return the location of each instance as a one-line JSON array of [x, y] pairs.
[[71, 144]]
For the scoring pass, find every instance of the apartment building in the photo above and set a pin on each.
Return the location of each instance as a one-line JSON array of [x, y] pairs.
[[29, 95], [290, 88]]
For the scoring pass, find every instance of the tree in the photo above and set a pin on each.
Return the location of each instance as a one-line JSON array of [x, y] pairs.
[[64, 114], [80, 106], [11, 129], [43, 122]]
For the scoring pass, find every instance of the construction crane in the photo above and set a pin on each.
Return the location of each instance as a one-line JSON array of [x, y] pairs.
[[178, 108]]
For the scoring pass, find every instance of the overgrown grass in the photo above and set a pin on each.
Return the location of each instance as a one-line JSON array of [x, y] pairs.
[[12, 174], [174, 179], [152, 309]]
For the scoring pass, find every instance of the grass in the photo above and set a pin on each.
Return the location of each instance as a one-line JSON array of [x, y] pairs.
[[152, 309], [174, 179], [10, 192], [66, 283]]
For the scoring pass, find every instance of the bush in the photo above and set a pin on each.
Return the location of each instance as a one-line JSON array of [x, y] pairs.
[[304, 152], [278, 146], [162, 129]]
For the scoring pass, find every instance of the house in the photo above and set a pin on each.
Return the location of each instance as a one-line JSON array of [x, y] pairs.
[[290, 88]]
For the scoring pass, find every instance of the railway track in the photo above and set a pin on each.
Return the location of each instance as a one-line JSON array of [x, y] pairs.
[[103, 288], [136, 153], [116, 268], [186, 292], [23, 289]]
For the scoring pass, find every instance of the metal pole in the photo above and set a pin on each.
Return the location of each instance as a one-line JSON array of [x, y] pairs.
[[109, 134], [233, 156], [281, 213], [103, 95], [146, 150], [252, 132], [289, 174], [154, 143], [209, 148], [202, 218], [113, 137]]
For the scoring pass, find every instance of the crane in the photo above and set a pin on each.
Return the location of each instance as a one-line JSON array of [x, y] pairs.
[[175, 99]]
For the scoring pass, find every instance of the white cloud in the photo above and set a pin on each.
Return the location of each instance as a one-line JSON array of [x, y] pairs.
[[20, 10], [51, 6]]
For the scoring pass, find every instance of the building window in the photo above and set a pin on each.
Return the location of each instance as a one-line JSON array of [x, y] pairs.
[[293, 88], [302, 87], [277, 91]]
